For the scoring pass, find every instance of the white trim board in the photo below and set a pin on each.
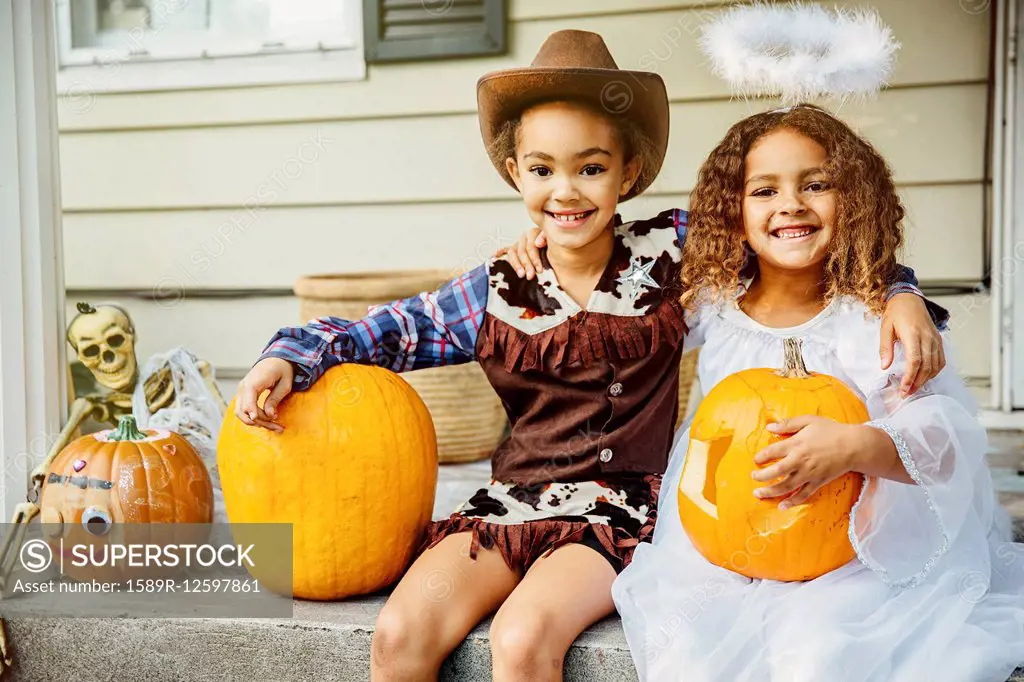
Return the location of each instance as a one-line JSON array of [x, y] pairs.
[[33, 369], [995, 419], [1012, 260]]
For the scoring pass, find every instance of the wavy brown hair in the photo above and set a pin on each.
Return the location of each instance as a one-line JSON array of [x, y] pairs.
[[868, 231]]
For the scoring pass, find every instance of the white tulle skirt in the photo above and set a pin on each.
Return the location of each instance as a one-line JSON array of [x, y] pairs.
[[686, 619], [935, 594]]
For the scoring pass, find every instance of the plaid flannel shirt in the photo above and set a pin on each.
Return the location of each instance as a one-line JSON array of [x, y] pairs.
[[431, 329]]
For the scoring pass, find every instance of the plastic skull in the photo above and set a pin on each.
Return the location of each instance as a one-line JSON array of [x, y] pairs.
[[104, 339]]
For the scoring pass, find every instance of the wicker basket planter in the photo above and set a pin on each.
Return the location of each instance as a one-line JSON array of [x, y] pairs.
[[467, 414], [687, 377]]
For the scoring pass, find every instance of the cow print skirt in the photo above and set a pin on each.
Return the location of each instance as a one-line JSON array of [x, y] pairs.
[[525, 522]]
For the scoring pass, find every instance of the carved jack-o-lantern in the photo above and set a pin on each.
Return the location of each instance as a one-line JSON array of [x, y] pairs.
[[122, 479], [717, 507]]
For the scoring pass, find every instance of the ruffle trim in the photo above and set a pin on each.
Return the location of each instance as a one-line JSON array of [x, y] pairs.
[[521, 544], [903, 449], [809, 331], [585, 338]]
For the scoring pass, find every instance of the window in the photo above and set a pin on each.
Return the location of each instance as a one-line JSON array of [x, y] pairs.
[[116, 45], [119, 45]]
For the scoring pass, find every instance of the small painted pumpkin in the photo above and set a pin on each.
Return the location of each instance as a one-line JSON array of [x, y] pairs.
[[354, 472], [717, 507], [122, 478]]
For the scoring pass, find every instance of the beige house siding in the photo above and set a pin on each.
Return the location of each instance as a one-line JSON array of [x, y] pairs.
[[235, 192]]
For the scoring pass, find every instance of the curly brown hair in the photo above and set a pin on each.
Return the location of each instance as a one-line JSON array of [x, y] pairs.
[[868, 231], [635, 143]]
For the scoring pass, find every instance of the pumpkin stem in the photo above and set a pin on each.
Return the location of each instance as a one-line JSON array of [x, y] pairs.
[[794, 367], [127, 429]]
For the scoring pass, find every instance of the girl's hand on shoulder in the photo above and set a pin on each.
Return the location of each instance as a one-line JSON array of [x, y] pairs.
[[273, 374], [524, 255], [906, 318], [819, 451]]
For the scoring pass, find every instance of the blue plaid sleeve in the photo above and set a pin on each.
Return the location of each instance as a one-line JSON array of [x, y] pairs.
[[681, 219], [431, 329], [907, 284]]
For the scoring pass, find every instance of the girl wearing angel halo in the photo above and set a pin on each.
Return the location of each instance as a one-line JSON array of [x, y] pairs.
[[936, 591], [585, 359]]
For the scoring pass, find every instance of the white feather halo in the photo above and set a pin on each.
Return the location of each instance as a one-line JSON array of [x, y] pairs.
[[800, 52]]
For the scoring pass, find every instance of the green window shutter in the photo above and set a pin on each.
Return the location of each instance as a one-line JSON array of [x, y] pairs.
[[397, 30]]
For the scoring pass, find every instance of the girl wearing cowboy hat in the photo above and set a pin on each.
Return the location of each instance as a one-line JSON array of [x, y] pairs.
[[585, 359]]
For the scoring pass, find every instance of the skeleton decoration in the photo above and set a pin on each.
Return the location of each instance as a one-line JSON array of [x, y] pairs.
[[105, 342], [176, 389]]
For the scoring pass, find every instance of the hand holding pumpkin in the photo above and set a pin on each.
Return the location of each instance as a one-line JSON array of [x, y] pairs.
[[273, 374], [819, 451]]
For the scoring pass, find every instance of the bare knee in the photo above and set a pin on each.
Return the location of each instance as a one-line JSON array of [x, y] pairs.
[[393, 631], [400, 646], [522, 647]]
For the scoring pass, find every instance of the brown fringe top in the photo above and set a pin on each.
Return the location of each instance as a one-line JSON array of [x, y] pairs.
[[603, 392], [584, 339]]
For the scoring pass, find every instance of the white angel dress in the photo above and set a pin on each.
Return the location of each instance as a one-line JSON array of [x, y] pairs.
[[936, 591]]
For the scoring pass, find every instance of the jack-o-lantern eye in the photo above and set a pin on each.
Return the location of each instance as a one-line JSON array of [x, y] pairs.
[[96, 520], [703, 458]]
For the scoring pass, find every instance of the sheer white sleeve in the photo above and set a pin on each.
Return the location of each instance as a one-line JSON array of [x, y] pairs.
[[901, 531]]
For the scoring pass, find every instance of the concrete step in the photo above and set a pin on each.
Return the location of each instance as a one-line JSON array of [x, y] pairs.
[[324, 641]]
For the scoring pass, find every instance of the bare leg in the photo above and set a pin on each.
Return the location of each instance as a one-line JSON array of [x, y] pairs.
[[561, 595], [440, 600]]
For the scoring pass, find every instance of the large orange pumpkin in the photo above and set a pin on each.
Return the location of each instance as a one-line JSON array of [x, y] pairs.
[[717, 507], [355, 472], [105, 488]]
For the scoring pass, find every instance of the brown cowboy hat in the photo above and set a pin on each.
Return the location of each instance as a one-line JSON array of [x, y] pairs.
[[575, 65]]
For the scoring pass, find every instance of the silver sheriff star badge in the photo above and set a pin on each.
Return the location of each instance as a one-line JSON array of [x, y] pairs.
[[638, 276]]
